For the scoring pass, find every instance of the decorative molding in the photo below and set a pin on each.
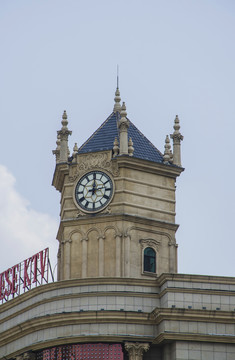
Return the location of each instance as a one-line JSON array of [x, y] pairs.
[[150, 243], [95, 161]]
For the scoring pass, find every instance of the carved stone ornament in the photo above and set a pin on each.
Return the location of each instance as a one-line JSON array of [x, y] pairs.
[[136, 350], [95, 161], [81, 213], [26, 356], [107, 210], [150, 243]]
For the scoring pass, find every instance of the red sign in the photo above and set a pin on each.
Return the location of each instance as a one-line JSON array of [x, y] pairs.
[[25, 275]]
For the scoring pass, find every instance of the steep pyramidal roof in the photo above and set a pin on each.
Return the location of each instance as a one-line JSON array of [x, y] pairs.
[[103, 138]]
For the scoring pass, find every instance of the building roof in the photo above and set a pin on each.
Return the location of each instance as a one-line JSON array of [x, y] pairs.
[[103, 138]]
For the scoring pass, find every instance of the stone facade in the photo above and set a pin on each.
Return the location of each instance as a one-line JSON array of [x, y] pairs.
[[174, 316]]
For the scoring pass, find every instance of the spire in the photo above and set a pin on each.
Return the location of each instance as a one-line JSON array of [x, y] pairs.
[[123, 126], [64, 133], [177, 138], [117, 99]]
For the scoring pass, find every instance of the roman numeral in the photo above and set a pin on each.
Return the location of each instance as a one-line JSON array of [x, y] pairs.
[[106, 197]]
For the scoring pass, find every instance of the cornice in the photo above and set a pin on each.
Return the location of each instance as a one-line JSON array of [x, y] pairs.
[[70, 319], [211, 338], [197, 291], [149, 166], [194, 278], [212, 316]]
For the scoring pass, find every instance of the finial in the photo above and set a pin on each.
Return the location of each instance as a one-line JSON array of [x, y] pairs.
[[123, 111], [130, 147], [167, 153], [64, 121], [75, 151], [123, 125], [177, 138], [117, 99], [115, 147], [64, 133]]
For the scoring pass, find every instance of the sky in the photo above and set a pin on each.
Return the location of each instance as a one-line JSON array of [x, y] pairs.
[[174, 57]]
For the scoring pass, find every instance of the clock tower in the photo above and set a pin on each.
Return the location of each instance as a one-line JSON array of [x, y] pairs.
[[117, 202]]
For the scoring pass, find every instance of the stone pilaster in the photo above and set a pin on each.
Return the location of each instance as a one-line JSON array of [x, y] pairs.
[[67, 259], [84, 257], [101, 255], [118, 254], [127, 247], [136, 350]]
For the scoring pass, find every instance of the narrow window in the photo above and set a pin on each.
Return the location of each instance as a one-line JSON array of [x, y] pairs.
[[149, 260]]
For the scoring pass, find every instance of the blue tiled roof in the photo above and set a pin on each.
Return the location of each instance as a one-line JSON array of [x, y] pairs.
[[103, 138]]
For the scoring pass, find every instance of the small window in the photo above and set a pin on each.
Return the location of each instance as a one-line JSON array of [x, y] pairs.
[[149, 260]]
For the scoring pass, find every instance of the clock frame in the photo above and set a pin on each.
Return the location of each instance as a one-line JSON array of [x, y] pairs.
[[93, 191]]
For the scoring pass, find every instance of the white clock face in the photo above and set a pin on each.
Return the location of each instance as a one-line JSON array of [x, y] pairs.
[[94, 191]]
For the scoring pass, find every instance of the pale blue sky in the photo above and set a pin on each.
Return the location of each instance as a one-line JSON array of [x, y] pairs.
[[175, 57]]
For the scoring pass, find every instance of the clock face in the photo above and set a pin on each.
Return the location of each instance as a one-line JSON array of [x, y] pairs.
[[94, 191]]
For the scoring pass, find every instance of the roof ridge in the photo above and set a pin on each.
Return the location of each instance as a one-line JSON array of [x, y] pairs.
[[95, 132], [145, 137]]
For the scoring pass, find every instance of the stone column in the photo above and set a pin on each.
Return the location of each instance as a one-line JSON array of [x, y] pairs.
[[127, 246], [136, 350], [67, 259], [101, 255], [118, 254], [84, 257]]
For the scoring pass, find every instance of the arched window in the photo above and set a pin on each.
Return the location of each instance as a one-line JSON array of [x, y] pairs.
[[149, 260]]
